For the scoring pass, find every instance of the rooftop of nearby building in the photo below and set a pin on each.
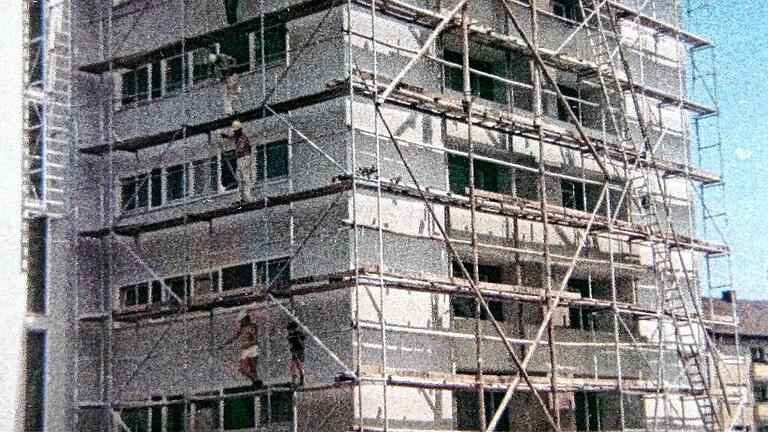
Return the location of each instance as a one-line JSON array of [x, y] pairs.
[[752, 314]]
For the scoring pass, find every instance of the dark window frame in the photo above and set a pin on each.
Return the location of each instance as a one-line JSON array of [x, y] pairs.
[[579, 317], [239, 410], [489, 176], [573, 194], [35, 356], [237, 276], [275, 44], [176, 173], [573, 98], [228, 169], [175, 75], [567, 9], [138, 83], [589, 410], [482, 87], [237, 46], [466, 307], [137, 419], [135, 192], [202, 71], [277, 407], [37, 272], [265, 272], [467, 417], [758, 354]]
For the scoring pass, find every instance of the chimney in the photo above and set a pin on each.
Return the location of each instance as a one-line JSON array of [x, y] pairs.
[[729, 296]]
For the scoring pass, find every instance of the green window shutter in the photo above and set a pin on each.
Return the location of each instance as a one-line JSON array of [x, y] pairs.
[[239, 413], [177, 286], [173, 74], [237, 46], [201, 70], [128, 89], [277, 159], [129, 295], [157, 419], [278, 279], [458, 173], [136, 419], [281, 407], [142, 185], [274, 43], [505, 180], [214, 180], [592, 192], [489, 273], [259, 163], [466, 411], [142, 83], [176, 182], [238, 276], [175, 418], [127, 192], [483, 88], [454, 79], [582, 413], [230, 8], [156, 178], [157, 81], [156, 296], [487, 176], [499, 88], [492, 402], [463, 307], [573, 194]]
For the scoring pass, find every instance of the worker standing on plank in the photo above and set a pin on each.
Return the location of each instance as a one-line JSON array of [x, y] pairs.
[[230, 7], [248, 334], [296, 339], [243, 155], [224, 70]]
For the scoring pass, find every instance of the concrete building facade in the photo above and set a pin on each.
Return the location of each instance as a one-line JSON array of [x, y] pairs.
[[481, 214]]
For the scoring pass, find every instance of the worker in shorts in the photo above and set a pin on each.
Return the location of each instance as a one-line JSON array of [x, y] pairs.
[[296, 339], [248, 334]]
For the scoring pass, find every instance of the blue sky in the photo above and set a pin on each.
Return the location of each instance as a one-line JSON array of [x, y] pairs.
[[741, 36]]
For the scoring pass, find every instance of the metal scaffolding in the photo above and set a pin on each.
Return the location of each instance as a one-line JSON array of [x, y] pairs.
[[633, 206]]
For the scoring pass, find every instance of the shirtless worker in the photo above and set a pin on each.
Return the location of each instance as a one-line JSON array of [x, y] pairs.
[[248, 334]]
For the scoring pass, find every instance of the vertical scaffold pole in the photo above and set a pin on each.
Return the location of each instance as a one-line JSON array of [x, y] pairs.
[[467, 88]]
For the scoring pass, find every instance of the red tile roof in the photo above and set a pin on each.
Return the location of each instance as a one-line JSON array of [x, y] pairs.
[[752, 314]]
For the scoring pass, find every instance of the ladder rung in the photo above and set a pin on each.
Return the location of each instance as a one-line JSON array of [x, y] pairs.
[[56, 140], [55, 165]]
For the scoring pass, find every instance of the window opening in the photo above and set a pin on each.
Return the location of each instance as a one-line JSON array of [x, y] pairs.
[[465, 307], [239, 276]]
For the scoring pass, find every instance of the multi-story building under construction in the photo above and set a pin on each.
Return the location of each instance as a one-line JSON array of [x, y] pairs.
[[484, 215]]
